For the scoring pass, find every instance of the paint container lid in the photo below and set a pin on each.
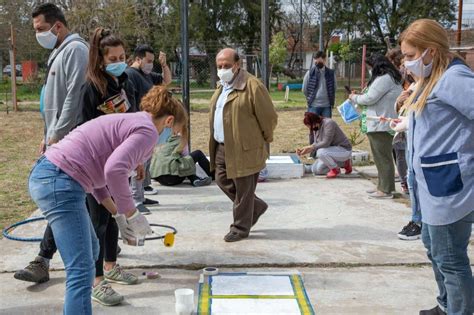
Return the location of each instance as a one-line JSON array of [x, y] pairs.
[[151, 274]]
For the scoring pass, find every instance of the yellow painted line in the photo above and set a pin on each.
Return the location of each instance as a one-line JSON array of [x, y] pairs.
[[204, 302], [305, 308]]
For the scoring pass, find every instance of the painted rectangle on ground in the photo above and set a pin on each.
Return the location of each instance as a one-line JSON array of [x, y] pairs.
[[242, 293]]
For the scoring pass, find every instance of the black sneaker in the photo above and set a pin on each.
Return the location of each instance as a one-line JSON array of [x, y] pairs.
[[434, 311], [202, 182], [148, 190], [150, 202], [410, 232], [143, 210], [37, 271]]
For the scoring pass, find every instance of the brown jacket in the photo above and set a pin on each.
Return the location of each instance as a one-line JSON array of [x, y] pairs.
[[249, 121]]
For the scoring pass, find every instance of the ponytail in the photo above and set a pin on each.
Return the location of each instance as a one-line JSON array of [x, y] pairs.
[[100, 41]]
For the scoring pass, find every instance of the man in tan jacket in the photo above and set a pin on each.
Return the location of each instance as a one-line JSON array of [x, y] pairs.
[[242, 121]]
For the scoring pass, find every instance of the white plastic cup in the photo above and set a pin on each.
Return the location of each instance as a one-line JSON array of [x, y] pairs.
[[184, 301]]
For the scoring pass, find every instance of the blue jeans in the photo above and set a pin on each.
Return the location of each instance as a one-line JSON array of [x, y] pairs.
[[62, 201], [447, 249], [321, 111], [415, 208]]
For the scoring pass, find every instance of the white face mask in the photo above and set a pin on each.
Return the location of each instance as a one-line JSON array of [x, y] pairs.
[[418, 68], [225, 75], [147, 67], [47, 39]]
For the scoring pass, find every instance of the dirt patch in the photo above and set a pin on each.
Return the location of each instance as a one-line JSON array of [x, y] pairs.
[[289, 134]]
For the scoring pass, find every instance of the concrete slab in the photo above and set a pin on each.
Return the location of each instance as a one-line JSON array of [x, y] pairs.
[[365, 290], [310, 222], [318, 226]]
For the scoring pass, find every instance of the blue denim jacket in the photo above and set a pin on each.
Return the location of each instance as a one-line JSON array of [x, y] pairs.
[[441, 143]]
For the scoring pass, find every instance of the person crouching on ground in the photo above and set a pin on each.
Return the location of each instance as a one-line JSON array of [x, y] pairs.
[[331, 146], [97, 157], [172, 164]]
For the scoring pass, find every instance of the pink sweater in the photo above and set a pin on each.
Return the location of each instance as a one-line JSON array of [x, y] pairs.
[[103, 152]]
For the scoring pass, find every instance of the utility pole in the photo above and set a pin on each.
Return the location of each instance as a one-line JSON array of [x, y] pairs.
[[458, 34], [362, 76], [301, 38], [185, 63], [321, 44], [265, 28], [13, 67]]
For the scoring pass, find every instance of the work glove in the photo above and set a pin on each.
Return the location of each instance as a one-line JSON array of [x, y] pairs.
[[122, 224], [138, 225]]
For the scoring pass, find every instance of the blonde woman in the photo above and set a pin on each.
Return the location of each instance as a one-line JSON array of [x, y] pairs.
[[440, 141]]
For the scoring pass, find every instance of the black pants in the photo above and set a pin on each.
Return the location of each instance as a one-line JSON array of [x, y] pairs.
[[48, 245], [198, 157], [107, 232]]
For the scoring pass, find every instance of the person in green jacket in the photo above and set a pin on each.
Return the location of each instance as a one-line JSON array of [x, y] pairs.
[[171, 164]]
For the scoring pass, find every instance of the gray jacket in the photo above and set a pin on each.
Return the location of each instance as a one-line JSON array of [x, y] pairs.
[[379, 99], [61, 95]]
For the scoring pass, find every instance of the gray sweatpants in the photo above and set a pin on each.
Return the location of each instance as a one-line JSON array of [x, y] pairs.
[[329, 158]]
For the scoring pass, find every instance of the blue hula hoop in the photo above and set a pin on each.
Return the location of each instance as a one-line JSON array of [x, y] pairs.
[[6, 231]]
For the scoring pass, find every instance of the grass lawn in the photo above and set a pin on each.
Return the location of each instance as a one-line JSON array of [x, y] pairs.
[[26, 92], [20, 135], [21, 132]]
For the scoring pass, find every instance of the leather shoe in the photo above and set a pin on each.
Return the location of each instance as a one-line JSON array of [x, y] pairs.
[[233, 237], [434, 311]]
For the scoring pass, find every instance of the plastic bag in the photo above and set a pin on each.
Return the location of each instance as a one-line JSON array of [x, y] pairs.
[[348, 112]]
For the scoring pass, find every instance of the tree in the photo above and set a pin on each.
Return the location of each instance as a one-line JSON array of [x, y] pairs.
[[278, 53], [387, 19]]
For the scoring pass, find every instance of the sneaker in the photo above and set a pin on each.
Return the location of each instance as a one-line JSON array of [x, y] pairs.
[[348, 166], [233, 237], [105, 295], [380, 195], [410, 232], [333, 173], [434, 311], [143, 210], [202, 182], [37, 271], [150, 190], [118, 275], [150, 202]]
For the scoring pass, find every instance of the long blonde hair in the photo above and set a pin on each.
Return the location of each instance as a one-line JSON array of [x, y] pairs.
[[423, 34]]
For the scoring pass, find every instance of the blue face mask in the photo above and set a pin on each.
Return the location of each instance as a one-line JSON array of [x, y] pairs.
[[164, 135], [116, 69]]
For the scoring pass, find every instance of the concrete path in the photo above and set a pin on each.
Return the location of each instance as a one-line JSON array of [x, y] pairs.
[[318, 226]]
